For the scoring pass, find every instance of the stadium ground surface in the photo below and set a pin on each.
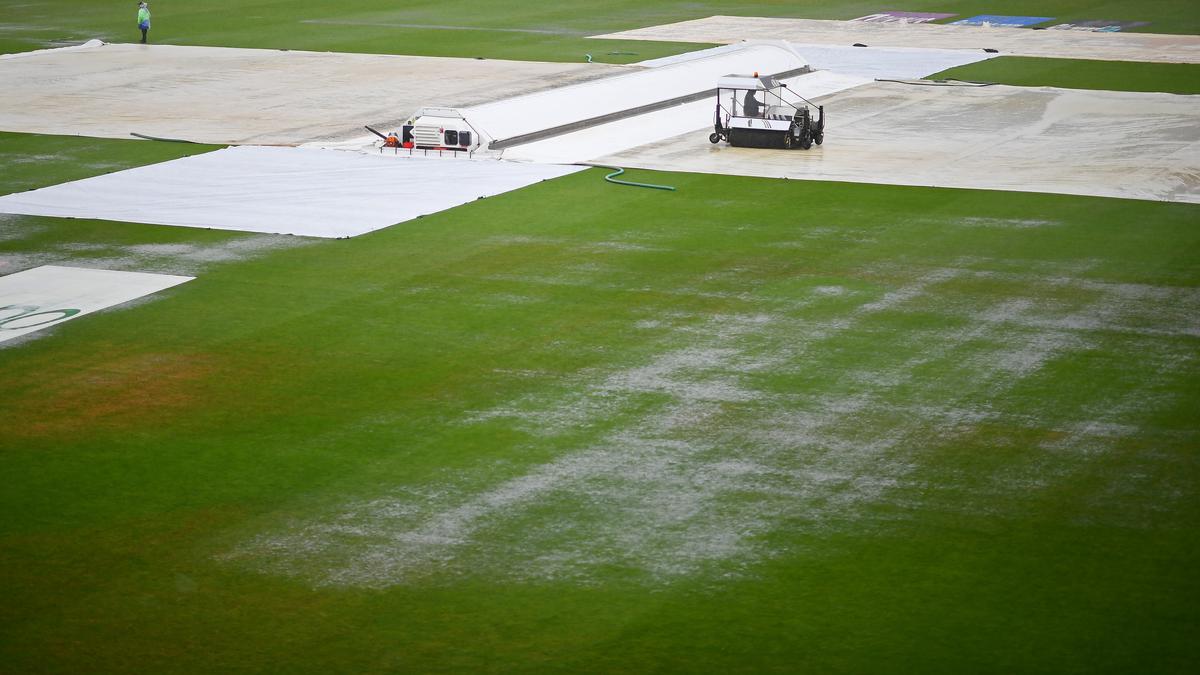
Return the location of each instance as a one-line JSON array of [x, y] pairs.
[[1027, 139], [751, 425], [218, 95]]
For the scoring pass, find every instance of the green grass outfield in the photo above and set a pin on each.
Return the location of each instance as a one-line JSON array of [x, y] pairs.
[[1170, 78], [749, 426], [530, 31]]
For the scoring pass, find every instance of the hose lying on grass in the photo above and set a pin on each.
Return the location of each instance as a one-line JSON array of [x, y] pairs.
[[589, 56], [157, 138], [617, 171], [947, 82]]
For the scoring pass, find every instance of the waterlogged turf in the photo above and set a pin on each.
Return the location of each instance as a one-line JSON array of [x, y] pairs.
[[1020, 71], [751, 425], [527, 31]]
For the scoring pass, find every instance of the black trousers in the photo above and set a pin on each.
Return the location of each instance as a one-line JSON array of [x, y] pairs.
[[144, 31]]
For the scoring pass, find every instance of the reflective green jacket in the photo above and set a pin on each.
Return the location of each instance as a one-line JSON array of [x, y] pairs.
[[143, 15]]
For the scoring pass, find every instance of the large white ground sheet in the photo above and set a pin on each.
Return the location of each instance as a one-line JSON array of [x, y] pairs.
[[588, 144], [253, 96], [49, 295], [873, 62], [1063, 44], [1067, 141], [839, 68], [542, 110], [311, 192]]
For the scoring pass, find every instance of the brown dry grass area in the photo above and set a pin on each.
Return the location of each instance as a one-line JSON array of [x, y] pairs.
[[121, 393]]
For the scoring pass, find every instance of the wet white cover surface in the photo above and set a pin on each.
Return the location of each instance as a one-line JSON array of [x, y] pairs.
[[535, 112], [317, 193], [1062, 44], [250, 96], [838, 69], [1068, 141]]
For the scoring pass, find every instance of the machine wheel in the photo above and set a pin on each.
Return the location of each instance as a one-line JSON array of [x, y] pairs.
[[819, 138], [805, 138], [804, 126], [714, 138]]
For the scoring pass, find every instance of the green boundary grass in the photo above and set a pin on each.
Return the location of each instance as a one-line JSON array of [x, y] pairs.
[[539, 31], [143, 442], [1171, 78]]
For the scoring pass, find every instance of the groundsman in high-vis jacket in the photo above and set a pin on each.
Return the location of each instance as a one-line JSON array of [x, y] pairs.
[[144, 19]]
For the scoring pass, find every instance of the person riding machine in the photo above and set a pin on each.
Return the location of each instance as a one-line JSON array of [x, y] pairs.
[[761, 112]]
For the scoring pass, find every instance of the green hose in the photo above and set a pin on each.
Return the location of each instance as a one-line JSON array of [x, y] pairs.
[[617, 171], [158, 138]]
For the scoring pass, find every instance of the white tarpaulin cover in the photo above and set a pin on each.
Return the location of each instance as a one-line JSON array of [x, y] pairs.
[[319, 193], [1062, 44], [901, 63], [45, 296], [588, 144], [841, 68], [1030, 139], [251, 96], [564, 105], [897, 63]]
